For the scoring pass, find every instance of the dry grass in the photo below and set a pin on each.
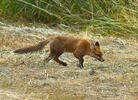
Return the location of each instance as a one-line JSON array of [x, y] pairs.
[[26, 77]]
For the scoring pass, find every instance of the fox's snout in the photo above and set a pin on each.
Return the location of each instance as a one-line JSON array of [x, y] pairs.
[[102, 60], [96, 52]]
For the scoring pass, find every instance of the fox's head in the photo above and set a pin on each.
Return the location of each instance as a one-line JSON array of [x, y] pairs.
[[96, 52]]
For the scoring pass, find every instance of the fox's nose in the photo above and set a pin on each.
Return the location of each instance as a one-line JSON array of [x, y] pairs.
[[102, 60]]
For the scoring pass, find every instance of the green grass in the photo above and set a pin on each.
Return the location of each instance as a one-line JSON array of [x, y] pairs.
[[114, 17]]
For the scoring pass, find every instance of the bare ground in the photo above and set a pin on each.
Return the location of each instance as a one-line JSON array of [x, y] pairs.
[[27, 77]]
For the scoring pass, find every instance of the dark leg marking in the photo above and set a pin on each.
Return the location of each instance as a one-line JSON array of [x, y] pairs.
[[59, 61]]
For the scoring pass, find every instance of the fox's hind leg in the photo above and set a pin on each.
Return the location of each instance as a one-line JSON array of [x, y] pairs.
[[59, 61], [50, 56]]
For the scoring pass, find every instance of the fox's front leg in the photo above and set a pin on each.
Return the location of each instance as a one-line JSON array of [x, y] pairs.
[[81, 60], [79, 56]]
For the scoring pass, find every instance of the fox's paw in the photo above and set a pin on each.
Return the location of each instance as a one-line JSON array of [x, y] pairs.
[[64, 64], [80, 66]]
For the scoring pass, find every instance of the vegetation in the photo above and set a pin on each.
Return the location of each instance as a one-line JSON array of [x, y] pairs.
[[27, 77], [116, 17]]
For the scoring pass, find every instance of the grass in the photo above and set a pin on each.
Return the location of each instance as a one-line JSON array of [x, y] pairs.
[[26, 77], [104, 17]]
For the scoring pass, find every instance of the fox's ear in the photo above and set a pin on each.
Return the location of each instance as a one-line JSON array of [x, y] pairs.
[[92, 46], [97, 44]]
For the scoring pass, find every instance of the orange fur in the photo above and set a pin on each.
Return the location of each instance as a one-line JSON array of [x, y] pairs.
[[60, 44]]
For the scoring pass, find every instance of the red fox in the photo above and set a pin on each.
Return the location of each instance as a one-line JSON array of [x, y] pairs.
[[60, 44]]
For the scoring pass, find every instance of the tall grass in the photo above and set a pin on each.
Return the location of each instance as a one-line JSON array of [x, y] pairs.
[[97, 16]]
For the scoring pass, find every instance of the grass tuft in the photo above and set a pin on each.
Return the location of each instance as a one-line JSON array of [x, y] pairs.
[[103, 16]]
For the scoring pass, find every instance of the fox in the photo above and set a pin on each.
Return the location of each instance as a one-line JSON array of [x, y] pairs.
[[60, 44]]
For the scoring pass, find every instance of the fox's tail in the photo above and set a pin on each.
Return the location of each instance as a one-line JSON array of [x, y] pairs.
[[33, 48]]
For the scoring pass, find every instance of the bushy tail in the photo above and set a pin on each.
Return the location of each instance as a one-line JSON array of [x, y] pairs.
[[33, 48]]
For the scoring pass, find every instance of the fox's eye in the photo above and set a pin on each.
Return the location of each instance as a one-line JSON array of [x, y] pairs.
[[99, 55]]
